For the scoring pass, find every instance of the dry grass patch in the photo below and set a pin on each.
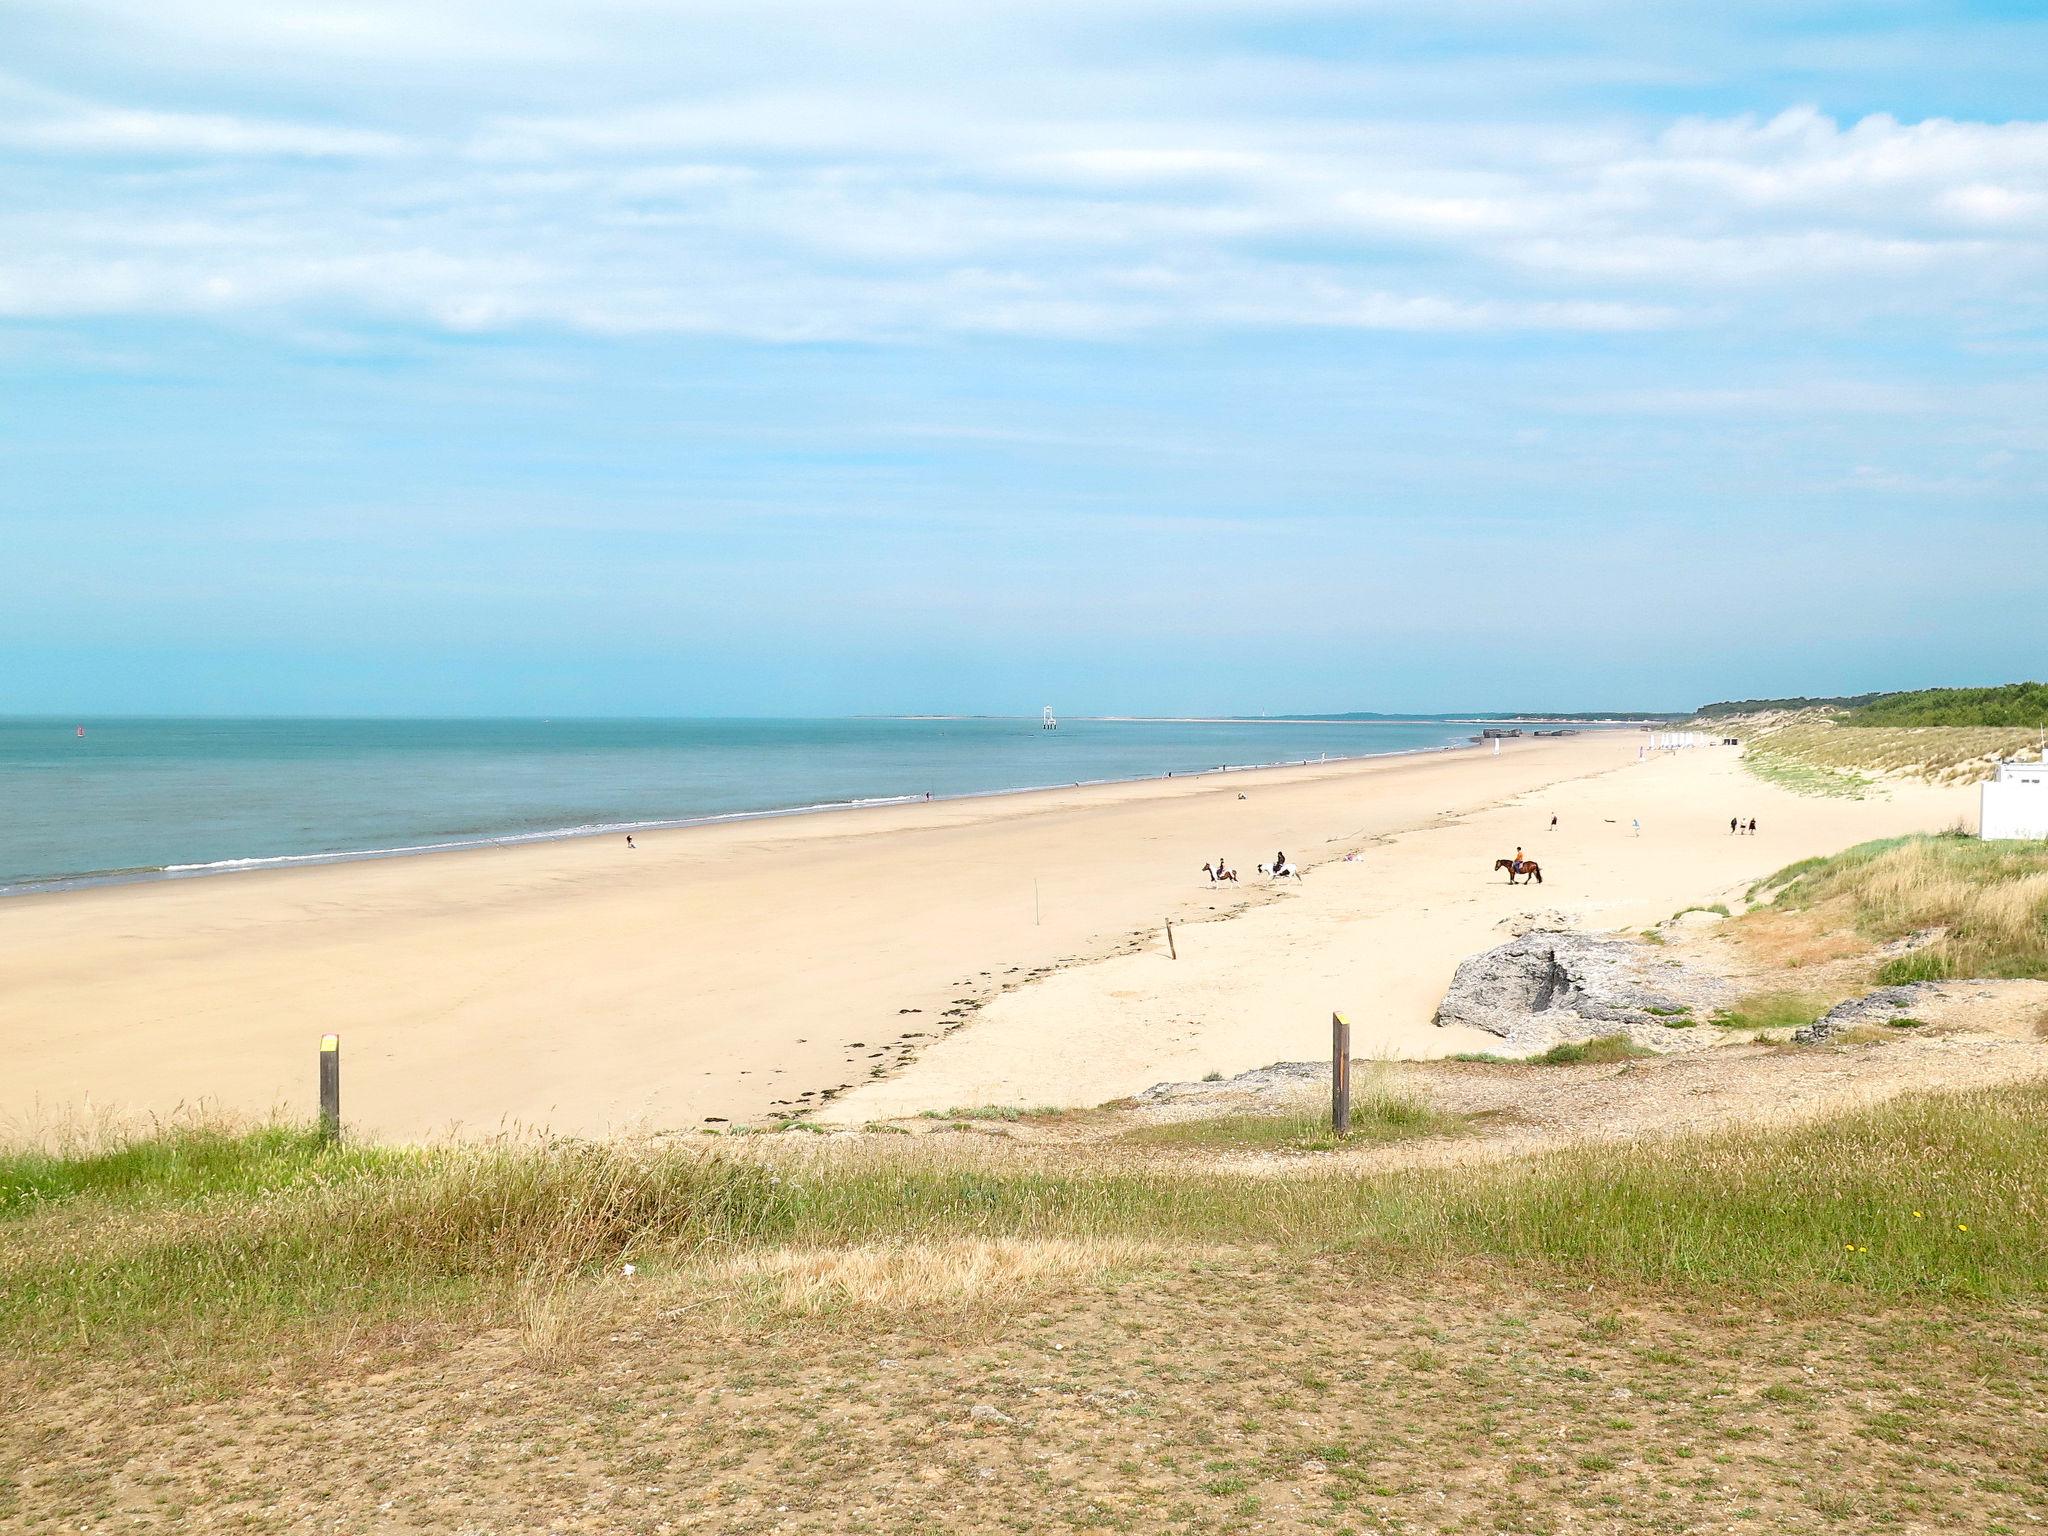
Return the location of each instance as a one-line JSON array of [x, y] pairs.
[[1988, 901], [1231, 1392], [1822, 751], [554, 1323], [916, 1276]]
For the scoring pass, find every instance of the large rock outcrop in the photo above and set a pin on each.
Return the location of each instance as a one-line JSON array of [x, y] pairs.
[[1547, 987]]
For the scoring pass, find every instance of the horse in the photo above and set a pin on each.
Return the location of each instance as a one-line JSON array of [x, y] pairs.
[[1529, 867]]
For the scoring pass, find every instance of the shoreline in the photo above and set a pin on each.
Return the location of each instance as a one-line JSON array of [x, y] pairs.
[[94, 879], [722, 973], [886, 959]]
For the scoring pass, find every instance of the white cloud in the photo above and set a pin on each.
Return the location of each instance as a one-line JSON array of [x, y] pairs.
[[778, 180]]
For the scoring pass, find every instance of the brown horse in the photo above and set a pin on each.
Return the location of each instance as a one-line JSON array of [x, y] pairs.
[[1529, 867]]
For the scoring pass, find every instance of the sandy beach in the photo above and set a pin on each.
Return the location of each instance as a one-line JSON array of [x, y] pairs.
[[737, 970]]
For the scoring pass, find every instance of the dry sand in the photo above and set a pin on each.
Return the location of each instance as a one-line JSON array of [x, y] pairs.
[[724, 971]]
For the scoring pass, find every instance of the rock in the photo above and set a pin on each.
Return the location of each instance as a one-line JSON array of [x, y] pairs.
[[1879, 1007], [1698, 917], [1546, 987], [1919, 938], [1281, 1074], [982, 1413], [1546, 920]]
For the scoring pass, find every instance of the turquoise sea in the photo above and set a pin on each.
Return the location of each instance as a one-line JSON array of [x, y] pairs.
[[143, 799]]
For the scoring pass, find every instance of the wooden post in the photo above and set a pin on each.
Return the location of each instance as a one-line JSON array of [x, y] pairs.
[[1340, 1073], [330, 1087], [1169, 940]]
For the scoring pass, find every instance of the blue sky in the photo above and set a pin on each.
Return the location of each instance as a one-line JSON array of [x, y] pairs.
[[642, 357]]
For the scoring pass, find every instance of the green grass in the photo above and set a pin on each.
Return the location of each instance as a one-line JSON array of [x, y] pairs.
[[1796, 1215], [1375, 1117], [1601, 1048], [1918, 965], [184, 1165], [1801, 777], [1773, 1010], [1575, 1053]]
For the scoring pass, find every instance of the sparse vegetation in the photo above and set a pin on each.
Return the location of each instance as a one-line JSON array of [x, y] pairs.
[[1376, 1115], [1601, 1048], [1763, 1011], [1986, 903], [1822, 757], [1782, 759]]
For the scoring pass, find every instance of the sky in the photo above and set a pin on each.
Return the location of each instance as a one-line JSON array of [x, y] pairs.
[[781, 357]]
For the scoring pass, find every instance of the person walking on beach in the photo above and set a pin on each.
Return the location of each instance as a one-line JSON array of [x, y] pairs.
[[1752, 826], [1734, 826], [1553, 821], [629, 844], [1635, 825]]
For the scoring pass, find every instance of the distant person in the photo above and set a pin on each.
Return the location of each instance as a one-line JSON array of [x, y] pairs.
[[630, 846], [1553, 821], [1752, 826], [1635, 826], [1734, 826]]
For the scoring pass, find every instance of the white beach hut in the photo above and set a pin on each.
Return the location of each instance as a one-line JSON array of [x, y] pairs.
[[2015, 803]]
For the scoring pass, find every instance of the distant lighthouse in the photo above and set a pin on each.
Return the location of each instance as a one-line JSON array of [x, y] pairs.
[[1048, 723]]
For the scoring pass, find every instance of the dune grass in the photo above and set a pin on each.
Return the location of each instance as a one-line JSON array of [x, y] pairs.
[[1939, 1195], [1987, 901], [1814, 756], [1782, 760]]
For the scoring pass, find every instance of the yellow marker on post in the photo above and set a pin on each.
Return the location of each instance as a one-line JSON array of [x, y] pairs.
[[330, 1087]]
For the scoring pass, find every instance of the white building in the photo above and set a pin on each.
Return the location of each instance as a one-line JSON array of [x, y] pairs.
[[2015, 803]]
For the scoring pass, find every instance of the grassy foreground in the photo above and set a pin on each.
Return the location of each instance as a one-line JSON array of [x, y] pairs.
[[1825, 1329], [196, 1236]]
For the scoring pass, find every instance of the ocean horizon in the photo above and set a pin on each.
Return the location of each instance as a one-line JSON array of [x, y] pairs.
[[140, 798]]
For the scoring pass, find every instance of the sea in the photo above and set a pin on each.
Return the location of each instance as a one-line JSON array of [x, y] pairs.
[[98, 800]]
